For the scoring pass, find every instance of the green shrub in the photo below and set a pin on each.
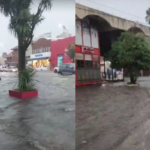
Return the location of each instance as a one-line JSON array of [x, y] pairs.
[[26, 80]]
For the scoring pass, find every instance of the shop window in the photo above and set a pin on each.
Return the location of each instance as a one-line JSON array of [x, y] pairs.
[[96, 65], [80, 64], [88, 64]]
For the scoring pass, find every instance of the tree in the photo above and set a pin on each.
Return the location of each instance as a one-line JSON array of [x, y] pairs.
[[23, 22], [71, 51], [132, 53], [148, 16]]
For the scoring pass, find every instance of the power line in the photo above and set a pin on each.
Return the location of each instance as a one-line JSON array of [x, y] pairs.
[[114, 9]]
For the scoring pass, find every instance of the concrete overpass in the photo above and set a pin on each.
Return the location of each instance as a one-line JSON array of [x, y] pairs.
[[109, 21]]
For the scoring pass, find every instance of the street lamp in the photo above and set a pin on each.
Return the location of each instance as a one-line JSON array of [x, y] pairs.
[[64, 28], [3, 45]]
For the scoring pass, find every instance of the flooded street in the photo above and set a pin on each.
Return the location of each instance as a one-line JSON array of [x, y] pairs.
[[113, 117], [43, 123]]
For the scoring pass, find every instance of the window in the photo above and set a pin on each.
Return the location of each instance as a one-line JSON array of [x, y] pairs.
[[88, 64], [80, 64]]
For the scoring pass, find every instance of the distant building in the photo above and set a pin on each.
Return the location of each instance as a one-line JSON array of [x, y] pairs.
[[41, 51], [58, 51], [4, 54], [12, 57], [2, 60]]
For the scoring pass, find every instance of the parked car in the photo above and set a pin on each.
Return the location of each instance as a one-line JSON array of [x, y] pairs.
[[41, 68], [13, 69], [3, 69], [68, 68], [56, 69]]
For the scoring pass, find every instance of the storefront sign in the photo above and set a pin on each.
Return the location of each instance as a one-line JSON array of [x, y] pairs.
[[87, 49], [40, 55], [78, 56]]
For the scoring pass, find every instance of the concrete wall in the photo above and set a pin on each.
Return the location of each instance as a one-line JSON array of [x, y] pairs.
[[114, 21]]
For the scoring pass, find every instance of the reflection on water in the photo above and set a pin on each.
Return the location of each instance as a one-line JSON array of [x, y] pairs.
[[37, 123]]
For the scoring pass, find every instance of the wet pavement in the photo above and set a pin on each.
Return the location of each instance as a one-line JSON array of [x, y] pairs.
[[113, 117], [43, 123]]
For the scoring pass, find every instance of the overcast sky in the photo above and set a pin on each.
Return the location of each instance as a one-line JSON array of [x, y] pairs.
[[130, 9], [62, 12]]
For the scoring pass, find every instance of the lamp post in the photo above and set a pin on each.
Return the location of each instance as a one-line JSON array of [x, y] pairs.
[[64, 28], [3, 45]]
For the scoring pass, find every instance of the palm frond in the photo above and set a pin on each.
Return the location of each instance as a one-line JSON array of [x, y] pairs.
[[148, 16]]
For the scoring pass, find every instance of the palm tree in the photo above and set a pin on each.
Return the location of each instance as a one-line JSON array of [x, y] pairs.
[[71, 51], [23, 22], [148, 16]]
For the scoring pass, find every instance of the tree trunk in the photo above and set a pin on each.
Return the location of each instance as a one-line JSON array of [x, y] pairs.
[[132, 79], [22, 59]]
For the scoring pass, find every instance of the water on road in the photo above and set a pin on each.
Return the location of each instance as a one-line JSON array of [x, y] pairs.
[[43, 123]]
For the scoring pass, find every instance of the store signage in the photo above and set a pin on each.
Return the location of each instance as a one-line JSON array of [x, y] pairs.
[[87, 49], [40, 55]]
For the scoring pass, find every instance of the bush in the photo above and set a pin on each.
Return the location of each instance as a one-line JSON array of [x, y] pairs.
[[26, 80]]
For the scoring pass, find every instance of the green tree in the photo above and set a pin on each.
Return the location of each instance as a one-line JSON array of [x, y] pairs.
[[23, 22], [71, 51], [132, 53], [148, 16]]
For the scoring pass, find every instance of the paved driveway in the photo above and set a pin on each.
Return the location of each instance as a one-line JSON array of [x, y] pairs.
[[44, 123]]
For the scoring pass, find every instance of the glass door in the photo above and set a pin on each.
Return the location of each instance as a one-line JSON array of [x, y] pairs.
[[59, 60]]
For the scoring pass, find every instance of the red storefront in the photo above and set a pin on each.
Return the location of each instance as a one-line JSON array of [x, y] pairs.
[[58, 51], [87, 54]]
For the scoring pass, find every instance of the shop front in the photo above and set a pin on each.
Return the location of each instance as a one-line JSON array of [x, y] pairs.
[[87, 54], [40, 60]]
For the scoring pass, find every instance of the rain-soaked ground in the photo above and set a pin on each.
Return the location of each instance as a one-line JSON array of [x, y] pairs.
[[43, 123], [113, 117]]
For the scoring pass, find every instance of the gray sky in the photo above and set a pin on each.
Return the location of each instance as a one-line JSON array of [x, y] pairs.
[[63, 11], [130, 9]]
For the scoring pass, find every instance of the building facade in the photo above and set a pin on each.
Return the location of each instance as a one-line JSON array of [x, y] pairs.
[[2, 60], [58, 51], [92, 24], [41, 53], [12, 57]]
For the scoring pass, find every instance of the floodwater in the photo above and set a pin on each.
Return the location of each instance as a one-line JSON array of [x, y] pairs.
[[113, 117], [43, 123]]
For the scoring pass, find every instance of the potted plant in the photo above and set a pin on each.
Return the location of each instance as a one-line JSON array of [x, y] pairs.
[[26, 85]]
